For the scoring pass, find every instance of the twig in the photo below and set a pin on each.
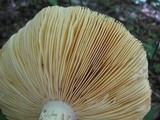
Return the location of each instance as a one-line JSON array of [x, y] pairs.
[[156, 49], [154, 53]]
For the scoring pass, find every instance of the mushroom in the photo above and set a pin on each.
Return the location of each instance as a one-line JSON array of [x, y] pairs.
[[73, 64]]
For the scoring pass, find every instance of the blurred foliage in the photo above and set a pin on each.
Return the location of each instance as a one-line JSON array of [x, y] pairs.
[[150, 114], [149, 46], [157, 67], [2, 116], [53, 2], [129, 13]]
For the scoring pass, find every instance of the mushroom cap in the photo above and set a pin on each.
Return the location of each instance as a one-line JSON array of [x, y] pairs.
[[75, 55]]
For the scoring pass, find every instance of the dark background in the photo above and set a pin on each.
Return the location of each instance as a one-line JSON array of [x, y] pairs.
[[140, 17]]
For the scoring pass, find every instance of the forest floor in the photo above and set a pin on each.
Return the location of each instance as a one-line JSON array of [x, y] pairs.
[[141, 19]]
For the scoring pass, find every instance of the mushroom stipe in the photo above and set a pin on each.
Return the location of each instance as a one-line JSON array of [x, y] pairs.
[[73, 64]]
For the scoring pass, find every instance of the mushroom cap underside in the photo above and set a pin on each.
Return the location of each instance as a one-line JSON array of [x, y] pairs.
[[75, 55]]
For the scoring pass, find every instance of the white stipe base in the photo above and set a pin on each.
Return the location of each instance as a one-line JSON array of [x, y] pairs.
[[57, 110]]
